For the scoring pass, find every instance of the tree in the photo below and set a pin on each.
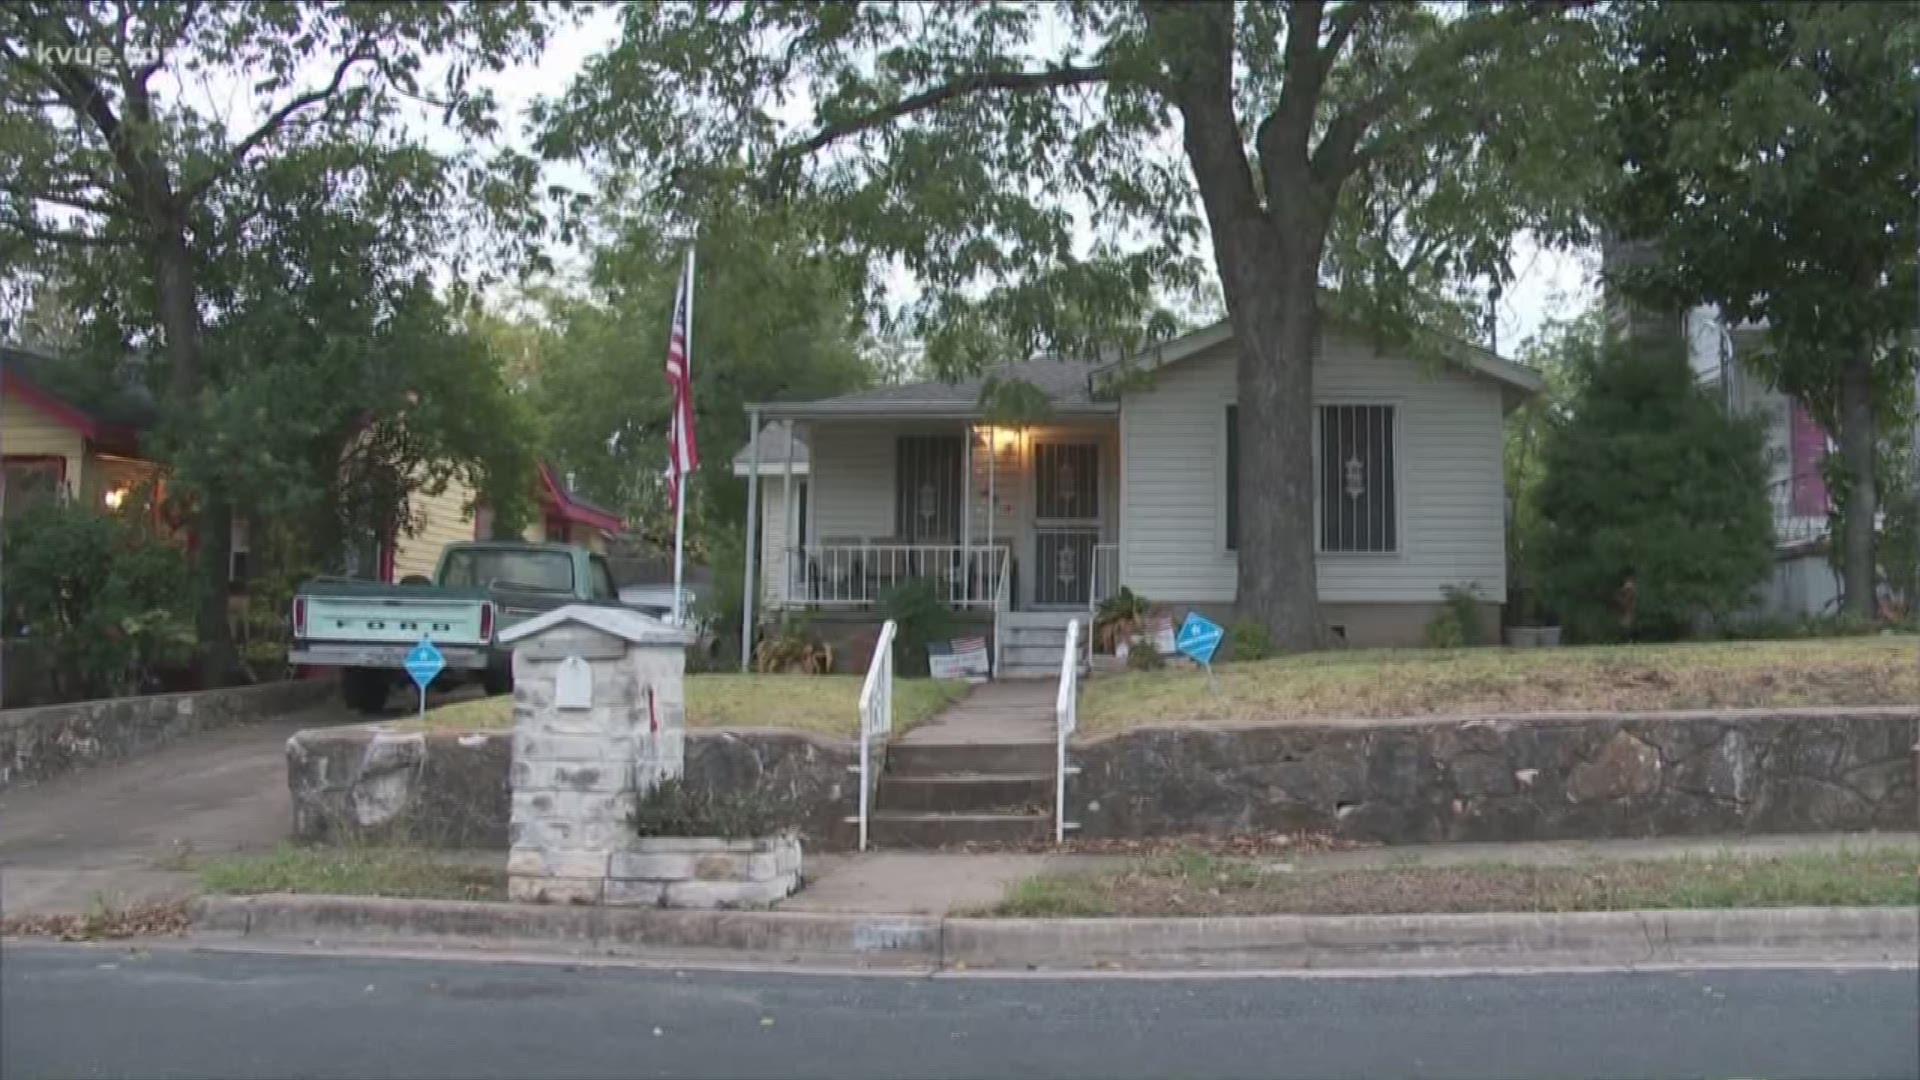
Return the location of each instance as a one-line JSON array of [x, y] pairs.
[[1560, 352], [104, 148], [1652, 506], [771, 322], [1387, 149], [1770, 154]]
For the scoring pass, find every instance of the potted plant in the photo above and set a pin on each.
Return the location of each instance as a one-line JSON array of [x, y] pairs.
[[1118, 621]]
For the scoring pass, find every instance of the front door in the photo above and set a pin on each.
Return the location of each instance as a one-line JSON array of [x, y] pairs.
[[1066, 521]]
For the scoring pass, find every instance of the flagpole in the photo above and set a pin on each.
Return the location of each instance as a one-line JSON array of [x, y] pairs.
[[680, 495]]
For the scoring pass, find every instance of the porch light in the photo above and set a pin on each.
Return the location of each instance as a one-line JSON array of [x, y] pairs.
[[115, 497], [1356, 477]]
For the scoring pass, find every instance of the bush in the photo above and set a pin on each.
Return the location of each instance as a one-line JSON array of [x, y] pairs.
[[671, 808], [793, 650], [1652, 507], [110, 602], [1444, 630], [1119, 618], [1248, 641], [919, 610], [1462, 610], [1144, 657]]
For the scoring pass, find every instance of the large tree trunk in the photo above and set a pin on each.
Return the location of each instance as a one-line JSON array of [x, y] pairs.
[[177, 292], [1856, 454]]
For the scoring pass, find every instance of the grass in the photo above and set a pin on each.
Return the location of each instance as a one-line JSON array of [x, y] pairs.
[[820, 704], [1359, 684], [355, 871], [1198, 884]]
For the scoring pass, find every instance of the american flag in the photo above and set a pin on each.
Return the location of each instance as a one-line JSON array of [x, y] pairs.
[[684, 451]]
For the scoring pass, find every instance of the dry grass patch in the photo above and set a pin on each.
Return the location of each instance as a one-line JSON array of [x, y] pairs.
[[820, 704], [1881, 670], [1198, 884]]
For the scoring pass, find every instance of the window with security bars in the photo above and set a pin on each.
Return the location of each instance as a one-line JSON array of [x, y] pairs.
[[1358, 500], [928, 488], [1066, 481]]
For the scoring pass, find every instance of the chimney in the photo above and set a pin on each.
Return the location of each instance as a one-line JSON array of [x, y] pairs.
[[1634, 320]]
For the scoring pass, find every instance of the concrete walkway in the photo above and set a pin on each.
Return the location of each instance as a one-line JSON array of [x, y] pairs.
[[133, 831], [1015, 711]]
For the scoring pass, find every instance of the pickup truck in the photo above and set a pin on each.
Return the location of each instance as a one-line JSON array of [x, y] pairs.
[[366, 628]]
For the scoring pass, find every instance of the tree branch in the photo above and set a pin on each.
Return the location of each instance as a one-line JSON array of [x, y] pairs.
[[277, 119], [963, 86], [66, 198]]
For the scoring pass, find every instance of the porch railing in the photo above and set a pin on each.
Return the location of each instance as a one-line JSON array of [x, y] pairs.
[[1066, 717], [876, 720], [1790, 527], [858, 573]]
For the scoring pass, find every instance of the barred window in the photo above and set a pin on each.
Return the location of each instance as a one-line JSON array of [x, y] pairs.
[[928, 486], [1358, 500]]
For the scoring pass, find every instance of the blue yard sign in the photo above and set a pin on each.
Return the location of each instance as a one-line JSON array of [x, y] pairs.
[[424, 664], [1199, 637]]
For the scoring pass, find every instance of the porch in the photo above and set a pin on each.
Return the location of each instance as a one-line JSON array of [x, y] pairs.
[[994, 518]]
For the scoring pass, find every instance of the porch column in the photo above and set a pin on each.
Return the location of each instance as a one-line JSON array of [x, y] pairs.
[[787, 517], [753, 538], [966, 518]]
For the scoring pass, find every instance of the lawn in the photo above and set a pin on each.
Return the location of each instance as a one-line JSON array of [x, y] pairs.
[[1197, 884], [821, 704], [355, 871], [1880, 670]]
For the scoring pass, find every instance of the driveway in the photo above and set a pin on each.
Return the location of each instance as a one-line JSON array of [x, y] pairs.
[[134, 830]]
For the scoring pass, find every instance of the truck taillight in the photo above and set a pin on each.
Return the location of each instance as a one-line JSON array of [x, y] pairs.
[[486, 622], [299, 616]]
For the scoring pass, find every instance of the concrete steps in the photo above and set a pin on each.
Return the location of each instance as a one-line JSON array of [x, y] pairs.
[[967, 793], [907, 829], [1031, 642], [1002, 759]]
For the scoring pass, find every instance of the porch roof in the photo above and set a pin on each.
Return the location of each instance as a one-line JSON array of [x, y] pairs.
[[1067, 385]]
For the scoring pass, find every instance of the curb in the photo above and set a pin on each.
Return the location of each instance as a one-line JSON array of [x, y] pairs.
[[1255, 943]]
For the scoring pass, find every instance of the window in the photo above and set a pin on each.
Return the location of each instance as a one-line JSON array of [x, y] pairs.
[[510, 568], [602, 579], [927, 487], [1233, 478], [1358, 496]]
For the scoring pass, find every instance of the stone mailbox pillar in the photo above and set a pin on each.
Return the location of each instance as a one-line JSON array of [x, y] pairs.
[[599, 714]]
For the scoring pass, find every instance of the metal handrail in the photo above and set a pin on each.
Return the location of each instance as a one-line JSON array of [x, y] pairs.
[[1001, 600], [1791, 528], [876, 718], [1066, 717]]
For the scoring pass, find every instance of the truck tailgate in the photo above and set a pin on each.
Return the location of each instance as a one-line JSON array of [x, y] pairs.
[[394, 620]]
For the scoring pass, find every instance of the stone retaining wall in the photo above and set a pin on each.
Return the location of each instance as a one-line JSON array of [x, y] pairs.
[[451, 790], [44, 742], [1509, 778]]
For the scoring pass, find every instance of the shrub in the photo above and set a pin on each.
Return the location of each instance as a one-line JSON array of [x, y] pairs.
[[1462, 603], [110, 602], [793, 650], [1248, 641], [672, 808], [920, 613], [1652, 507], [1144, 657], [1444, 630]]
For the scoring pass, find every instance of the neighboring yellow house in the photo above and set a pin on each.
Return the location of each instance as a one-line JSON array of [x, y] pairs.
[[454, 514], [52, 448]]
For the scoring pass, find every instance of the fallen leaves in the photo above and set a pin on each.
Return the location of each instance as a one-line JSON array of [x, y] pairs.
[[104, 922]]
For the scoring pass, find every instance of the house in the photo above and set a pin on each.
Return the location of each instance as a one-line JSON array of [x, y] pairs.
[[58, 444], [1131, 481], [1804, 581]]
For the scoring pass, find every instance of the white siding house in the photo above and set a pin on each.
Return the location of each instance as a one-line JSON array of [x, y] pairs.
[[1126, 482]]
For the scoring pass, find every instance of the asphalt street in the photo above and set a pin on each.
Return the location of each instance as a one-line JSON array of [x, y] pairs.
[[107, 1011]]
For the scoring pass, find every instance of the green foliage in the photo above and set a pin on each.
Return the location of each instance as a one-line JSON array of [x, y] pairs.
[[1144, 657], [1557, 353], [110, 602], [1653, 508], [1458, 623], [672, 807], [1769, 151], [793, 649], [1248, 641], [1781, 628], [919, 609]]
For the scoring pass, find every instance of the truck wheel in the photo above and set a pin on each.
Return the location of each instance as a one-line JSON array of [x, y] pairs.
[[496, 682], [365, 690]]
